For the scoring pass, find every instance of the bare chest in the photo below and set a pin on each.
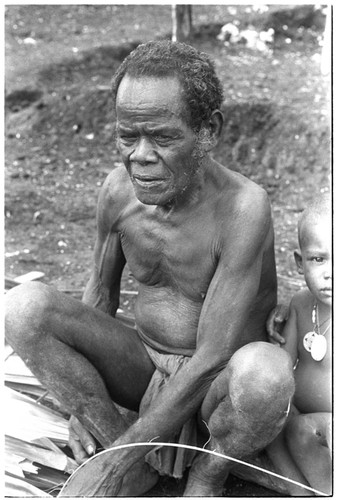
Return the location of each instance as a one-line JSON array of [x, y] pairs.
[[308, 333], [176, 255], [313, 378]]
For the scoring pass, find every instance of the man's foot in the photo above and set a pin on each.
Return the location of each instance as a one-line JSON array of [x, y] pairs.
[[199, 489], [138, 480], [200, 485]]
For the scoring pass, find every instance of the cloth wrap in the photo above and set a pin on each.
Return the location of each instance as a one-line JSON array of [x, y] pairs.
[[169, 461]]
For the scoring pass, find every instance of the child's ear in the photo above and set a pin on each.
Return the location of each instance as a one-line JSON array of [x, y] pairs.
[[299, 261]]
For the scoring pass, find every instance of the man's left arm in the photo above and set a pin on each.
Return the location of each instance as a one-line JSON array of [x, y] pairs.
[[221, 331]]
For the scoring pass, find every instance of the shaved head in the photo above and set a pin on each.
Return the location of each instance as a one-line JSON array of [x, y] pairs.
[[319, 208]]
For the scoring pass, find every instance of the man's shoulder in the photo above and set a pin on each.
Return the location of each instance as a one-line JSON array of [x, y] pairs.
[[243, 213], [117, 183], [250, 192], [241, 187], [115, 196], [117, 189], [246, 198]]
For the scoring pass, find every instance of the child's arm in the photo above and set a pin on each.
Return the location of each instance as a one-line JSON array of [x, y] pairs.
[[290, 333]]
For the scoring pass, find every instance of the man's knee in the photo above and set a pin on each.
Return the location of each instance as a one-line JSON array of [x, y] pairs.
[[261, 378], [27, 308], [258, 385], [257, 374]]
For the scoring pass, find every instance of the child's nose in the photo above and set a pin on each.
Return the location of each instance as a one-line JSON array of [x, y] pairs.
[[328, 271]]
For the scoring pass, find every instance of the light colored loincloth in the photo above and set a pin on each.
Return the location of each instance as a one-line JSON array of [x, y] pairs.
[[168, 460]]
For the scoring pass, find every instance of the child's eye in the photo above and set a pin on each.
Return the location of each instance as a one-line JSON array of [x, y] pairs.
[[319, 260]]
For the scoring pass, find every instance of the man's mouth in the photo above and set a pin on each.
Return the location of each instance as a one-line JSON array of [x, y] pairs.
[[147, 181]]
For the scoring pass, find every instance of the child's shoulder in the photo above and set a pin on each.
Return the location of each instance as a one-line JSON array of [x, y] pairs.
[[302, 300]]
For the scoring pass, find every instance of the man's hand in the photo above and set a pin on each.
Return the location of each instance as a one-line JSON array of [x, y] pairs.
[[96, 478], [81, 441], [275, 324]]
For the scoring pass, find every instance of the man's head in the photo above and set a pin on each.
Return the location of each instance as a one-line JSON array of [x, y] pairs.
[[201, 89], [162, 139], [314, 258]]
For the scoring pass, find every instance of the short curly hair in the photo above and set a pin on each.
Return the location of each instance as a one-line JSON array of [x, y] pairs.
[[201, 89]]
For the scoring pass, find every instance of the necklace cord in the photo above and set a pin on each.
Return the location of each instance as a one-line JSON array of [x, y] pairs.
[[315, 320]]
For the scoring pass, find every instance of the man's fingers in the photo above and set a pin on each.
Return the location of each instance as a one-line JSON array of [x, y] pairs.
[[275, 324], [79, 452], [274, 336], [277, 338], [80, 440], [276, 341], [281, 313]]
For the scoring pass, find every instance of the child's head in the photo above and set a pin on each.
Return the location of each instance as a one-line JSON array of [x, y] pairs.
[[314, 258]]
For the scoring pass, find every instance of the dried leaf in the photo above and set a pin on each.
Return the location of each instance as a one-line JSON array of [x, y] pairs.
[[51, 458], [27, 420], [16, 487]]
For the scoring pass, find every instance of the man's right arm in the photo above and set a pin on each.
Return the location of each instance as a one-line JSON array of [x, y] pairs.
[[102, 291], [103, 288]]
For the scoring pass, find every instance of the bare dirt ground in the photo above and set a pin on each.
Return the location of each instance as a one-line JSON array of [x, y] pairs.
[[60, 123]]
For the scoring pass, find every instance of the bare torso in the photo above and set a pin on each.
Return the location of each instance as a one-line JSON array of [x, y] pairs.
[[174, 257], [313, 378]]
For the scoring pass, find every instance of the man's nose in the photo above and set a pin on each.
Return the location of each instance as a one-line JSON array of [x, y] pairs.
[[143, 152]]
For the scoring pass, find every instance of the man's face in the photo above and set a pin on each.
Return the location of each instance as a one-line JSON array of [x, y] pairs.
[[316, 260], [155, 141]]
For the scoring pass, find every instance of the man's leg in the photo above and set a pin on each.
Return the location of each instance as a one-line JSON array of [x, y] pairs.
[[84, 357], [245, 408]]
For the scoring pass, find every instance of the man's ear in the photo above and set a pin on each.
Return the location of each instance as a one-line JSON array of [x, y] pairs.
[[299, 261], [214, 127]]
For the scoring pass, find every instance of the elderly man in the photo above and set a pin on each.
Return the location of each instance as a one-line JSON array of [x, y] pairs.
[[198, 239]]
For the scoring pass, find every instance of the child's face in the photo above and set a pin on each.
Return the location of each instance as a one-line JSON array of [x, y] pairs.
[[314, 260]]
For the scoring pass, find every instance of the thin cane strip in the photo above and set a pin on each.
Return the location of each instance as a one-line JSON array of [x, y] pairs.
[[211, 452]]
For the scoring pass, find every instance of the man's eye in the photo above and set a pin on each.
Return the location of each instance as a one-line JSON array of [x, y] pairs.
[[127, 138], [163, 139]]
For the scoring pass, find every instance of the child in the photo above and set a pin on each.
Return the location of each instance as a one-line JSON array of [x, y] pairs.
[[303, 450]]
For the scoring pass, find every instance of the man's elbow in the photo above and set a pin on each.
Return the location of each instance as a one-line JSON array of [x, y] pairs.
[[98, 296]]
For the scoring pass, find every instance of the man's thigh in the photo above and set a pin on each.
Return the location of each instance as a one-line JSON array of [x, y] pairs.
[[118, 354], [114, 349]]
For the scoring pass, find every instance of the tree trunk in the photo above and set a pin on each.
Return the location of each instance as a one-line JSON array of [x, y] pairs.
[[182, 26]]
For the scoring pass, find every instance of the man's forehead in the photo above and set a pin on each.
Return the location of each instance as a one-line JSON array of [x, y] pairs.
[[165, 91]]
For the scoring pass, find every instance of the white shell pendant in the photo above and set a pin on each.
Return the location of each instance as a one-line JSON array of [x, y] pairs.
[[308, 340], [318, 348]]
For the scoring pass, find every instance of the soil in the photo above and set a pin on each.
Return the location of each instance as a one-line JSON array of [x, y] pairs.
[[60, 124]]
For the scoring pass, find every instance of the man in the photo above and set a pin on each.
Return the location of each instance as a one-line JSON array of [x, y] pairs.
[[198, 239]]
